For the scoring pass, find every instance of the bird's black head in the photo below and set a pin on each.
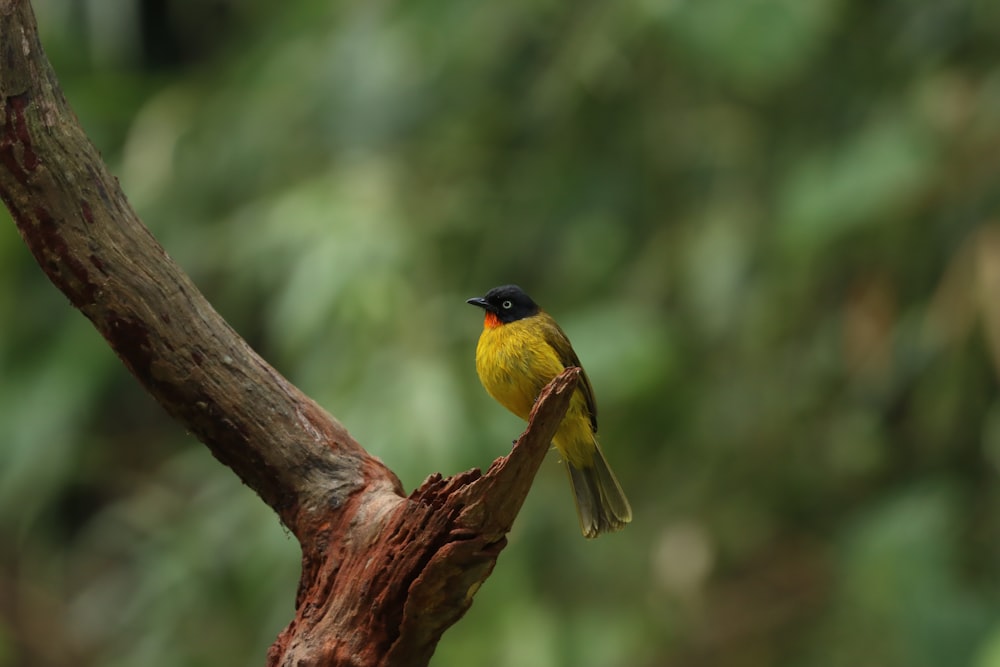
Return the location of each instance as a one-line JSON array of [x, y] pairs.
[[507, 303]]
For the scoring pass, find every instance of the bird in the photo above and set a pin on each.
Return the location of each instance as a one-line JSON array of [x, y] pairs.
[[520, 350]]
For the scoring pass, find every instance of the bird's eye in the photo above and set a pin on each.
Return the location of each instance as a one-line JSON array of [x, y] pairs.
[[507, 305]]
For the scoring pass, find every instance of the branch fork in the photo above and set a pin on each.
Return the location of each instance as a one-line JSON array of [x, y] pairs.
[[383, 576]]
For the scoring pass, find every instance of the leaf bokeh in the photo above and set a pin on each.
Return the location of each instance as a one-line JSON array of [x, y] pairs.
[[769, 227]]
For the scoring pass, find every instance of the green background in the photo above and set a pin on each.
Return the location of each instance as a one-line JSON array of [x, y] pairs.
[[770, 228]]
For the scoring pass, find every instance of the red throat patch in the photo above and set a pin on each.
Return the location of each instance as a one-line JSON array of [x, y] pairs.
[[491, 321]]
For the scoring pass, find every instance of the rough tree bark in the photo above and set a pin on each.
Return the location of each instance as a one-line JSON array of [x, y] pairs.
[[383, 575]]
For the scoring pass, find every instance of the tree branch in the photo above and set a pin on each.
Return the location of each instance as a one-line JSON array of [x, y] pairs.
[[382, 575]]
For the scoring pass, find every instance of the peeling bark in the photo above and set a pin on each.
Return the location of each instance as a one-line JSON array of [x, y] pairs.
[[383, 575]]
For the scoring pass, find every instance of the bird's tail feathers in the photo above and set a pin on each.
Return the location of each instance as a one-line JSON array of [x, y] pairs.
[[600, 502]]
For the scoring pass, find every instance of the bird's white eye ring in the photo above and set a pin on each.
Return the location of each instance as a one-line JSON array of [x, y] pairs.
[[507, 305]]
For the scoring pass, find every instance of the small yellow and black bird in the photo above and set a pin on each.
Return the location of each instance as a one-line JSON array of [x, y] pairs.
[[520, 351]]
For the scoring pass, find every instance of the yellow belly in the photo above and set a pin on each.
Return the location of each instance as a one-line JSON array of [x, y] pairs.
[[514, 366]]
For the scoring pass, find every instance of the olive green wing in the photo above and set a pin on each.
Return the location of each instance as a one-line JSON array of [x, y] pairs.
[[555, 337]]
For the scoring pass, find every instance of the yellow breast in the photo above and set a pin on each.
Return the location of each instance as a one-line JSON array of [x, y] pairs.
[[515, 363]]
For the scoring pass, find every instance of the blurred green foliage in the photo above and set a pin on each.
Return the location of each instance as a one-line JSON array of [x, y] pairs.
[[769, 226]]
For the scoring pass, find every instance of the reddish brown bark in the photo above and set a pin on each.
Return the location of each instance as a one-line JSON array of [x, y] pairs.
[[382, 575]]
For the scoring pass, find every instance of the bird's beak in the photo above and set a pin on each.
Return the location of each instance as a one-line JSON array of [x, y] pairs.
[[479, 301]]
